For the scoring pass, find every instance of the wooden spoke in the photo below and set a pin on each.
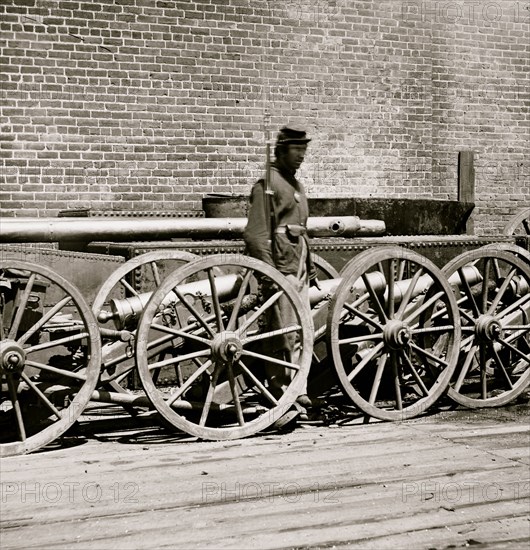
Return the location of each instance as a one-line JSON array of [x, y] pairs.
[[381, 362], [270, 334], [369, 357], [119, 378], [235, 395], [400, 269], [466, 316], [179, 359], [271, 359], [359, 339], [517, 305], [43, 398], [124, 356], [128, 287], [516, 351], [496, 269], [180, 391], [43, 320], [397, 385], [215, 301], [522, 328], [209, 397], [433, 330], [408, 293], [239, 300], [58, 342], [363, 316], [465, 285], [21, 307], [260, 311], [375, 299], [465, 367], [182, 333], [258, 383], [485, 285], [55, 370], [483, 371], [429, 355], [424, 307], [16, 406], [414, 372], [502, 368], [156, 273], [194, 311]]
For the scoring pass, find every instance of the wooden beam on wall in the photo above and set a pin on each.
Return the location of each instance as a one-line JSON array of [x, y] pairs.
[[466, 183]]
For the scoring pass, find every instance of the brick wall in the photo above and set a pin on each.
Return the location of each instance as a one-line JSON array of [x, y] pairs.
[[481, 93], [144, 104]]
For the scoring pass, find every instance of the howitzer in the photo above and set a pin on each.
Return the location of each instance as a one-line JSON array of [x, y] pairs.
[[125, 312], [398, 330], [17, 230], [426, 314]]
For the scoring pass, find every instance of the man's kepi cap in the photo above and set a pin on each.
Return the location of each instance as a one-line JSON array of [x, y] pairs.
[[290, 134]]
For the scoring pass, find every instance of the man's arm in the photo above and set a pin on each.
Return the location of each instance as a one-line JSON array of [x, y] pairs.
[[256, 235]]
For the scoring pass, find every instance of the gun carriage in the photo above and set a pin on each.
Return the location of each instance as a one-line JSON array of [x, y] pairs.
[[189, 323]]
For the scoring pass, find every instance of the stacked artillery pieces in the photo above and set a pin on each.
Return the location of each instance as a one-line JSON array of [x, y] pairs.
[[392, 329]]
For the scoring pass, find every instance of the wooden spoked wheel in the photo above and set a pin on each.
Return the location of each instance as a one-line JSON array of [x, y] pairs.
[[519, 225], [50, 354], [492, 287], [393, 332], [118, 306], [240, 349]]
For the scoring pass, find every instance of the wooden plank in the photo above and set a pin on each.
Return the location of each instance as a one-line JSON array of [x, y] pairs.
[[421, 483]]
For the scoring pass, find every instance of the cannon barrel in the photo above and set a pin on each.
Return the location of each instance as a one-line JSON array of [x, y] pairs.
[[125, 312], [379, 284], [17, 230]]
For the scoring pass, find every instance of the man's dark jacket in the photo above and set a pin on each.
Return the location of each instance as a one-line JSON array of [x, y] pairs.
[[290, 209]]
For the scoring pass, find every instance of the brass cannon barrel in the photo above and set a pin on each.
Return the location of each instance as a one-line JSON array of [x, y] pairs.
[[125, 312], [17, 230], [378, 282]]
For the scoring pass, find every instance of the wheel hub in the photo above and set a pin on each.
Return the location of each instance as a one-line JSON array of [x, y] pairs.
[[226, 347], [396, 334], [488, 328], [12, 357]]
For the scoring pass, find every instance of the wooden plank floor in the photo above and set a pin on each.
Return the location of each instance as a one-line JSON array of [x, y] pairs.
[[455, 479]]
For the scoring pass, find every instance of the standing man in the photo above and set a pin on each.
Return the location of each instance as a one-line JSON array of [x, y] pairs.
[[289, 249]]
